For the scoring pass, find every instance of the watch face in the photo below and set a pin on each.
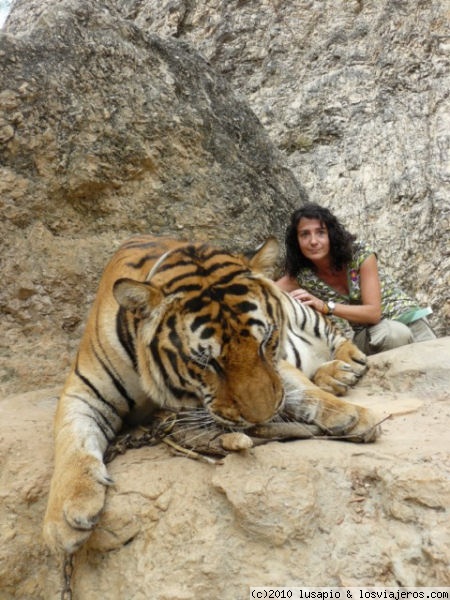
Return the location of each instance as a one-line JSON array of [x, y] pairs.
[[331, 305]]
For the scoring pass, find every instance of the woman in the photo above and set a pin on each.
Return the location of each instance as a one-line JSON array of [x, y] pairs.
[[335, 274]]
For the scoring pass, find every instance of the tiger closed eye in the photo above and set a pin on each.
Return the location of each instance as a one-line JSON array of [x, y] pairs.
[[201, 357], [270, 339], [270, 333]]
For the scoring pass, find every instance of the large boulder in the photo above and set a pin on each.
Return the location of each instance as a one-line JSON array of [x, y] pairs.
[[107, 131], [311, 512]]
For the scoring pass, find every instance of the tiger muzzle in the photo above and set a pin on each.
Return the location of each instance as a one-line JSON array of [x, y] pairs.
[[249, 398]]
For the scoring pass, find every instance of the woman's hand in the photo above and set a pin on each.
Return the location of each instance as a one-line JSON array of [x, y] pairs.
[[306, 298], [368, 312]]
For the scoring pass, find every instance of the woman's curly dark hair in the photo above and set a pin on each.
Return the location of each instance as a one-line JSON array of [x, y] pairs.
[[341, 240]]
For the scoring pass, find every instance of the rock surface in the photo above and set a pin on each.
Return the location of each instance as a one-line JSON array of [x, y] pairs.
[[312, 512], [355, 94], [108, 131]]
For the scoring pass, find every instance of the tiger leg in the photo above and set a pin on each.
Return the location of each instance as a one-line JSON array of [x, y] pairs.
[[77, 489], [308, 403], [336, 376]]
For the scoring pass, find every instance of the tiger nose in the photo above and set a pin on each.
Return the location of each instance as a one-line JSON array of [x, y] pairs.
[[263, 410]]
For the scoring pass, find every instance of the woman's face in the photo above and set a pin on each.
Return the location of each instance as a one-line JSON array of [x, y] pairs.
[[313, 240]]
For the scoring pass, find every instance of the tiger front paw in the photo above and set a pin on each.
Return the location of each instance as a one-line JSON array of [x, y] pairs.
[[317, 407], [350, 354], [366, 429], [77, 497], [335, 377], [347, 421]]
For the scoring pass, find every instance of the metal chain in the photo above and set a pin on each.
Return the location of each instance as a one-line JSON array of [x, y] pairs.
[[143, 437], [66, 592], [150, 436]]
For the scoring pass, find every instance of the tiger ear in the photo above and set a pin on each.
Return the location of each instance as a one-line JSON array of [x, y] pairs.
[[137, 297], [266, 256]]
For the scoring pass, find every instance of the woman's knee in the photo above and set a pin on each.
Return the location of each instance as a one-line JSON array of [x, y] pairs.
[[389, 334]]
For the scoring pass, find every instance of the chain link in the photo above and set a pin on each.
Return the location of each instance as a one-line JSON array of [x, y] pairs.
[[143, 436], [66, 592], [160, 431], [150, 435]]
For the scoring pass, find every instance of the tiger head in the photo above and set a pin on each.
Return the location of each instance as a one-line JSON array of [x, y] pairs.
[[209, 329]]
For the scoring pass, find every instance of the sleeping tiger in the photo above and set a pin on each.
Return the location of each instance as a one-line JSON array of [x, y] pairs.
[[181, 326]]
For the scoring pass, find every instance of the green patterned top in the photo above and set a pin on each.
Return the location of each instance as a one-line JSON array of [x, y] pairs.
[[395, 303]]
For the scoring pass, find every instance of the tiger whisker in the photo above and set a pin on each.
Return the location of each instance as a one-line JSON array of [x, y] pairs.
[[190, 440], [188, 425], [192, 429], [199, 423]]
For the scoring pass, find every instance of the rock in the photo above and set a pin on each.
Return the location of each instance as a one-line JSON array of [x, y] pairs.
[[109, 131], [355, 95], [311, 512], [112, 123]]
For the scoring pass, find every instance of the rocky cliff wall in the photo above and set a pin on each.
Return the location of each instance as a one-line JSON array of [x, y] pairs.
[[111, 123], [355, 94]]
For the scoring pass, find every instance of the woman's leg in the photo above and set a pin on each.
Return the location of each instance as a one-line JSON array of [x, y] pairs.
[[361, 340], [385, 335], [421, 331]]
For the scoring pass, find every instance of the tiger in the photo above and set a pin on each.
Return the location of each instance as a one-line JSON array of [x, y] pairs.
[[186, 325]]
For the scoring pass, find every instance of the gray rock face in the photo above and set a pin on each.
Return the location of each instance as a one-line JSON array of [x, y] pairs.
[[107, 131], [355, 94]]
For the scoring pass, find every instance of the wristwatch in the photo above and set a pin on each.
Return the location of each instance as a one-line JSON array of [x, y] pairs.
[[331, 306]]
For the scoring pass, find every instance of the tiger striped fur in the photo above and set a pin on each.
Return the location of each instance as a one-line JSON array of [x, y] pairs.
[[181, 325]]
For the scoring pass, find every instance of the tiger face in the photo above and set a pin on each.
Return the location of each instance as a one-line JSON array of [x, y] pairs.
[[205, 335]]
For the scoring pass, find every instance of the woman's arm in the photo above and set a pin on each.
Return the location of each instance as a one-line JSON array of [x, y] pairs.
[[287, 283], [368, 312]]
